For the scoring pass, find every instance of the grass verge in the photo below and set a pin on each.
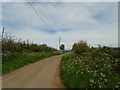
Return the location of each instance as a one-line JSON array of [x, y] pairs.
[[12, 61]]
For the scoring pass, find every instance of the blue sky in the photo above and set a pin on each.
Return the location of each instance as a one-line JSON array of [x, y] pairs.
[[94, 22]]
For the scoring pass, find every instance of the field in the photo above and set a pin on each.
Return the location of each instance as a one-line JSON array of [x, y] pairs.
[[91, 68]]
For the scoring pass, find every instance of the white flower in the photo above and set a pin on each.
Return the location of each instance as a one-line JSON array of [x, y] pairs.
[[117, 86], [92, 80], [102, 75], [106, 80]]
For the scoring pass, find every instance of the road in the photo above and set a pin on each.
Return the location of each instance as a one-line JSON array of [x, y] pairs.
[[42, 74]]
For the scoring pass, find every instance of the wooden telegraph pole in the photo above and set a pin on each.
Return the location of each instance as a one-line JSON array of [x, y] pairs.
[[59, 43], [3, 32]]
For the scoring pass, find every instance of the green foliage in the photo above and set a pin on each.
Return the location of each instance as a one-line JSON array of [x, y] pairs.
[[80, 47], [10, 44], [17, 53], [11, 61], [95, 69], [62, 47]]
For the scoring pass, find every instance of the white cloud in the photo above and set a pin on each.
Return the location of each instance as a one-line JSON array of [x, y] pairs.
[[61, 0], [93, 37], [94, 22]]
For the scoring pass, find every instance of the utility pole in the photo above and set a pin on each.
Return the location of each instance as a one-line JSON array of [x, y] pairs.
[[3, 32], [59, 43]]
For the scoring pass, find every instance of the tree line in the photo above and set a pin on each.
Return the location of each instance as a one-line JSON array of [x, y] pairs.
[[11, 44]]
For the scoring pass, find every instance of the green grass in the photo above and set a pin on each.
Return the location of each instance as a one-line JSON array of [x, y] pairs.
[[89, 71], [12, 61]]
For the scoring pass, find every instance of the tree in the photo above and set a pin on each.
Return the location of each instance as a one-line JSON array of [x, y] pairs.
[[80, 47], [62, 47]]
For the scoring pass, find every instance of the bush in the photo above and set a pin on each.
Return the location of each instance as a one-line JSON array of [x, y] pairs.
[[91, 67], [89, 71], [80, 47], [9, 44]]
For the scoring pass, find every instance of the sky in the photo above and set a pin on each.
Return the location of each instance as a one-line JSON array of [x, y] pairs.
[[93, 22]]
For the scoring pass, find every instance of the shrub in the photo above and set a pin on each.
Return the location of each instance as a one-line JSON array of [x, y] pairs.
[[80, 47], [89, 71], [10, 44]]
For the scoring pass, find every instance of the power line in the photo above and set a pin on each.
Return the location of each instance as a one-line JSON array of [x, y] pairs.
[[38, 14]]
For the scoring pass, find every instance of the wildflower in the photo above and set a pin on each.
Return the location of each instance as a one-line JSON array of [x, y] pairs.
[[81, 72], [117, 86], [92, 80], [106, 80], [102, 75], [88, 71], [91, 84], [77, 72], [116, 60]]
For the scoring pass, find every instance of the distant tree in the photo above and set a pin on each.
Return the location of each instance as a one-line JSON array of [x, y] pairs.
[[62, 47], [44, 45], [80, 47]]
